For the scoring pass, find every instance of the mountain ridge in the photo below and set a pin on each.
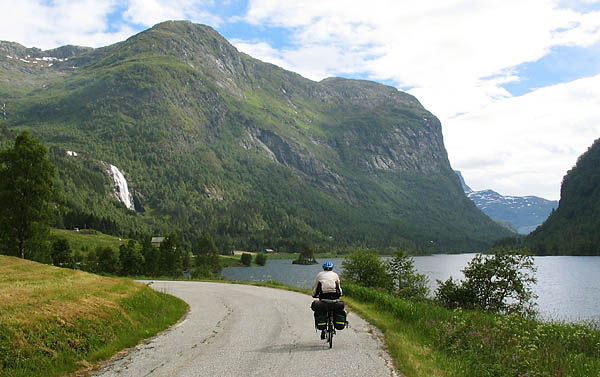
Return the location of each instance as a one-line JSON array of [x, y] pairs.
[[213, 139], [523, 213]]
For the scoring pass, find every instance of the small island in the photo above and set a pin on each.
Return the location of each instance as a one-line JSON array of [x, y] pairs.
[[306, 257]]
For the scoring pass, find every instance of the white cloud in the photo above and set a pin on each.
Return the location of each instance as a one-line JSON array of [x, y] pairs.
[[455, 56], [151, 12], [49, 24], [525, 145], [435, 48], [44, 24]]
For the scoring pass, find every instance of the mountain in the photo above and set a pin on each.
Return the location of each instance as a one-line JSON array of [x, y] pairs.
[[209, 139], [521, 213], [573, 229]]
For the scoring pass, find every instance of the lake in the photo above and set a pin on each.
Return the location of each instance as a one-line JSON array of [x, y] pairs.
[[568, 287]]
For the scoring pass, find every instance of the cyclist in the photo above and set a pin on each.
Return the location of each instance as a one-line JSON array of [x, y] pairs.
[[327, 283], [327, 286]]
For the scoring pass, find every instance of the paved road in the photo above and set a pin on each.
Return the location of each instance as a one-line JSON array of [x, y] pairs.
[[243, 331]]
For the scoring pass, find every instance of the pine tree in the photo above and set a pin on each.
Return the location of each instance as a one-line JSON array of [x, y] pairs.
[[27, 193]]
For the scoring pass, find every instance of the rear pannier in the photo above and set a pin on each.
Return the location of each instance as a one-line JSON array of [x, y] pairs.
[[320, 320], [339, 320]]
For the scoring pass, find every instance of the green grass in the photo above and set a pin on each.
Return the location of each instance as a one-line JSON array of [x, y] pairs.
[[427, 340], [55, 320], [88, 239]]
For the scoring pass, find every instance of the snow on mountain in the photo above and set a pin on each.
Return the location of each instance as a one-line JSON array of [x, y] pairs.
[[525, 213]]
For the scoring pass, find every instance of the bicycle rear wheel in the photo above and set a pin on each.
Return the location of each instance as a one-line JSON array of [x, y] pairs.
[[330, 329]]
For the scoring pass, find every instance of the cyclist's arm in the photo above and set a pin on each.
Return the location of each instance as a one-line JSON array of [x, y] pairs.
[[316, 288]]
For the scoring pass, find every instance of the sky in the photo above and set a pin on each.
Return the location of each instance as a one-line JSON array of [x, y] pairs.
[[515, 83]]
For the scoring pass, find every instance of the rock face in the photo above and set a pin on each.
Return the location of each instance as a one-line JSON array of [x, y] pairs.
[[523, 213], [214, 139]]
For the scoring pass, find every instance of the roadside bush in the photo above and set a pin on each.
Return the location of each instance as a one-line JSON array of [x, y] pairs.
[[407, 283], [498, 284], [132, 260], [108, 260], [367, 269], [246, 259], [207, 265], [61, 253], [261, 259]]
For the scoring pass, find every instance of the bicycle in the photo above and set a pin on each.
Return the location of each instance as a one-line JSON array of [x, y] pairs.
[[332, 324], [330, 331]]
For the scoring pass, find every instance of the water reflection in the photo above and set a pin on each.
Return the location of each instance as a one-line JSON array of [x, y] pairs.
[[568, 287]]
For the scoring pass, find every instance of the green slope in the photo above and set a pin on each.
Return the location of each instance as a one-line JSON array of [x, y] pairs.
[[212, 140], [573, 228]]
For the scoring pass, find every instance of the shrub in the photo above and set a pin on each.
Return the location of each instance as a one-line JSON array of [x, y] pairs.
[[261, 259], [207, 265], [61, 253], [367, 269], [407, 283], [108, 260], [246, 259], [497, 284]]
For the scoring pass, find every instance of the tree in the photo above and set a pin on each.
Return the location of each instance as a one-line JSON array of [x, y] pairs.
[[91, 264], [367, 269], [208, 262], [407, 283], [108, 260], [499, 284], [27, 193], [261, 259], [307, 254], [132, 260], [171, 256], [206, 245], [61, 253], [151, 256], [187, 260], [246, 259], [207, 265]]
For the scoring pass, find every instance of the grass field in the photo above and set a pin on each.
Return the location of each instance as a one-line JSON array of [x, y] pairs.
[[87, 239], [55, 320]]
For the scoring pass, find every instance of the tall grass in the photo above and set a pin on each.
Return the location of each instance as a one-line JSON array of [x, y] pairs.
[[470, 343], [55, 320]]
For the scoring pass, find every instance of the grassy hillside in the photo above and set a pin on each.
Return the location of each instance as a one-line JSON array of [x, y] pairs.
[[88, 239], [55, 320]]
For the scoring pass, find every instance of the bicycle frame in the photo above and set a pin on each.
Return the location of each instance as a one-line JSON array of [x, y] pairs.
[[330, 327]]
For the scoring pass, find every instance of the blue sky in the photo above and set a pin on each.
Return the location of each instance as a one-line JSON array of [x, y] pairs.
[[516, 83]]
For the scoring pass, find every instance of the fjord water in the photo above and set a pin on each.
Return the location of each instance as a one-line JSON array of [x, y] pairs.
[[568, 287]]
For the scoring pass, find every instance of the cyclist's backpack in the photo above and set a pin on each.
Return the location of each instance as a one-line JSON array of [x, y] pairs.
[[321, 320], [339, 320]]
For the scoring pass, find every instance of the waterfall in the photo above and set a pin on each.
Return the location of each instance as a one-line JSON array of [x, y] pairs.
[[120, 186]]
